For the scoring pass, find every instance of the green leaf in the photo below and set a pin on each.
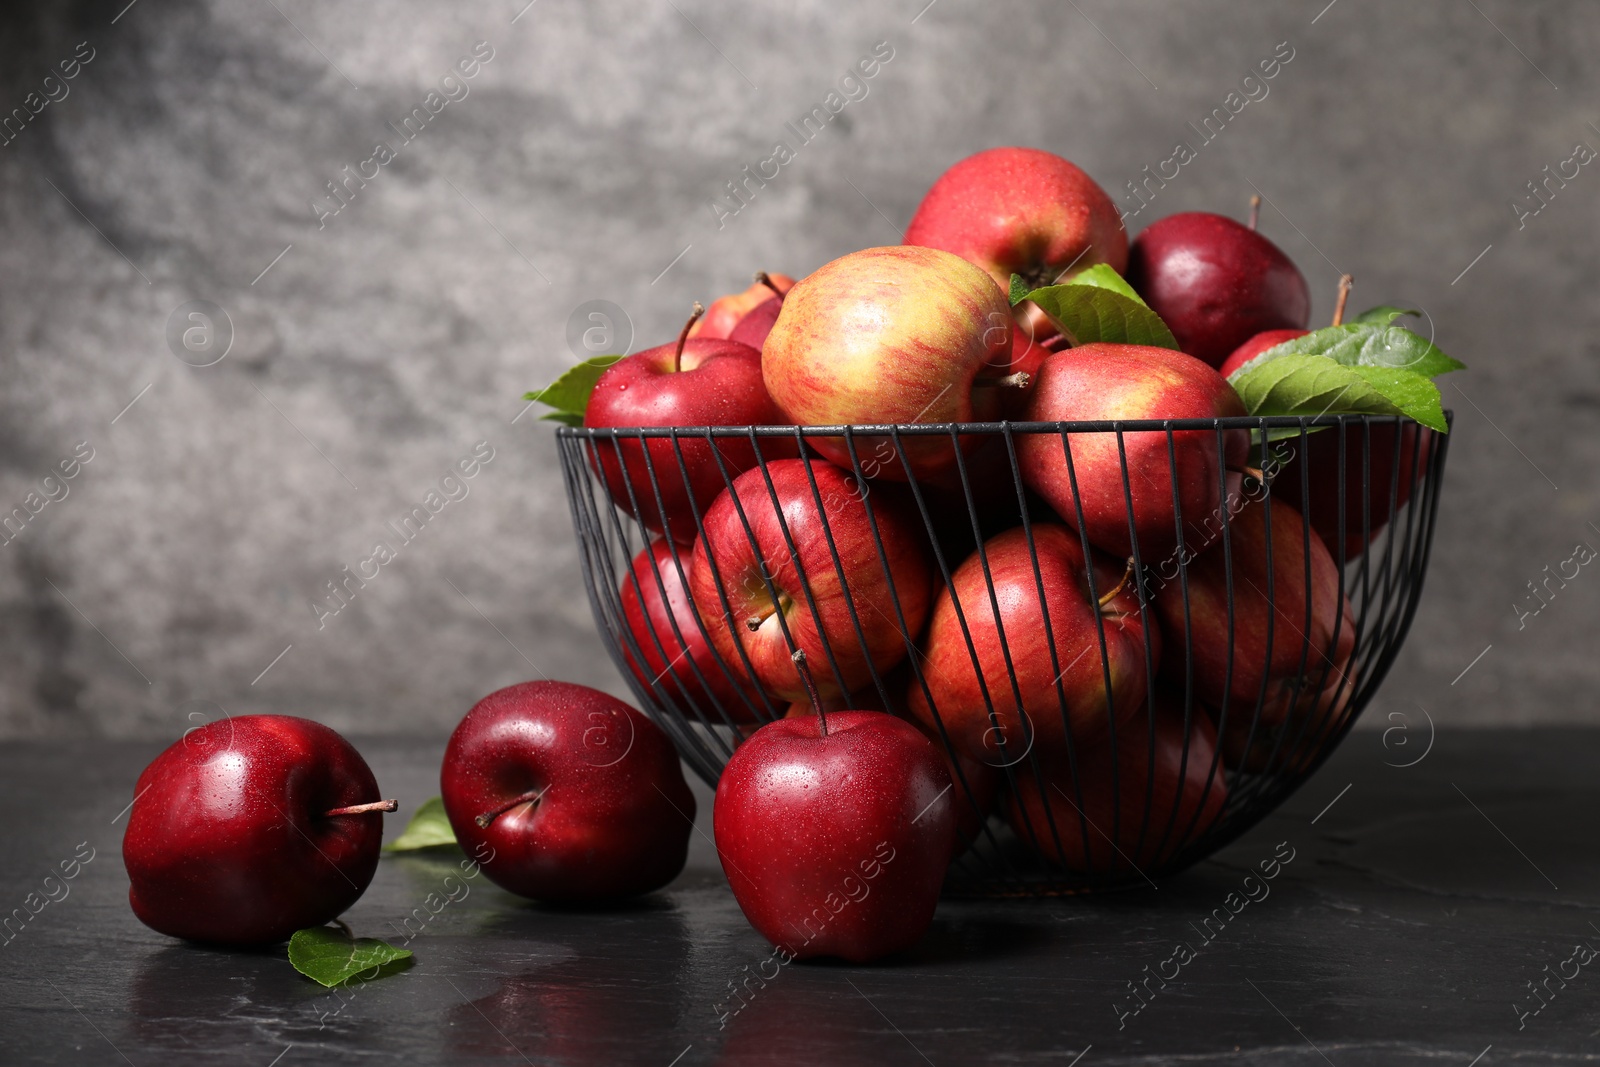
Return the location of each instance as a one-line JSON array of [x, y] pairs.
[[1019, 290], [330, 956], [569, 393], [1381, 315], [1309, 384], [1375, 344], [428, 828], [1097, 305]]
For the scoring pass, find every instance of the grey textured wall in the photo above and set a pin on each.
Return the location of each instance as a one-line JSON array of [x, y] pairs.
[[379, 348]]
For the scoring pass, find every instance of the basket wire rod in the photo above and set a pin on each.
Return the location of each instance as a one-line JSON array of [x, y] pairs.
[[647, 457], [623, 637], [1057, 672], [799, 566], [1025, 724], [1008, 871], [727, 618], [1073, 766], [596, 574], [839, 570], [1105, 666]]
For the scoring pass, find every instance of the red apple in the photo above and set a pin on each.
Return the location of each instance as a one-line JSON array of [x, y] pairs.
[[1112, 381], [1293, 728], [1021, 211], [695, 382], [1050, 644], [674, 654], [1132, 805], [890, 335], [251, 828], [1396, 458], [835, 833], [571, 794], [1298, 631], [726, 311], [820, 605], [1255, 346], [1216, 283]]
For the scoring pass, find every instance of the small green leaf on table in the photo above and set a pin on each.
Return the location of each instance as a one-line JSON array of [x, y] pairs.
[[330, 956], [568, 395], [1098, 305], [428, 828]]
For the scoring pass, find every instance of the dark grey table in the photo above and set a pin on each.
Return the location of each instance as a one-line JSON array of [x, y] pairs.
[[1422, 908]]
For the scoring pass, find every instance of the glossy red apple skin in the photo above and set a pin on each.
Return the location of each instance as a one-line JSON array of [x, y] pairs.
[[725, 556], [1036, 711], [674, 653], [724, 312], [836, 845], [1216, 283], [1172, 798], [1111, 381], [1271, 641], [615, 817], [753, 329], [228, 841], [719, 383], [1020, 211], [889, 335], [1255, 346]]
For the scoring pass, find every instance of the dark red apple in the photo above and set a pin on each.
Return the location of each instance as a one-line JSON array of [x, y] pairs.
[[820, 605], [1292, 729], [674, 654], [1216, 283], [1034, 658], [571, 794], [1111, 381], [835, 833], [1295, 631], [1131, 805], [250, 828], [1020, 211], [694, 382], [1396, 458]]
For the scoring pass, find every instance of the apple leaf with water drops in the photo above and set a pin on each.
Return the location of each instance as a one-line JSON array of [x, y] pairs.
[[1311, 385], [569, 393], [1372, 340], [1097, 305], [428, 828], [332, 957]]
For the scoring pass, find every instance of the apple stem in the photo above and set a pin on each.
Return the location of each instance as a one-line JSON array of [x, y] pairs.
[[1255, 209], [362, 809], [683, 335], [799, 658], [1346, 283], [1109, 597], [1018, 380], [531, 797], [761, 276]]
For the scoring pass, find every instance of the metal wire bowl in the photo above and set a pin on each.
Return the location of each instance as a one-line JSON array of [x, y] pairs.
[[1065, 828]]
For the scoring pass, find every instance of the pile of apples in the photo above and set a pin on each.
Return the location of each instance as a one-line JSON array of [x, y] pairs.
[[1064, 677], [903, 631]]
